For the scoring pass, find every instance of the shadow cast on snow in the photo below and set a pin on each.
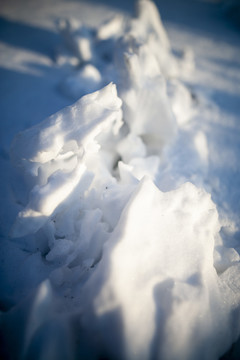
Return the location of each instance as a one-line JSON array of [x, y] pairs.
[[28, 37]]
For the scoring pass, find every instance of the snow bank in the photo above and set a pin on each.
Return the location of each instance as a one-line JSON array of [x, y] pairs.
[[132, 248]]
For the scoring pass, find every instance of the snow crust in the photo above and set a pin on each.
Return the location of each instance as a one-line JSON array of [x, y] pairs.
[[128, 241]]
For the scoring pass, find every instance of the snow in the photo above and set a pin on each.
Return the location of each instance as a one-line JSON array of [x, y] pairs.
[[120, 210], [153, 269]]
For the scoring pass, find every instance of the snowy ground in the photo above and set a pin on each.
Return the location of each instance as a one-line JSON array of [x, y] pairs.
[[168, 298]]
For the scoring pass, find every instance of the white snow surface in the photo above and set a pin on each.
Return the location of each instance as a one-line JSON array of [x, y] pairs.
[[120, 211]]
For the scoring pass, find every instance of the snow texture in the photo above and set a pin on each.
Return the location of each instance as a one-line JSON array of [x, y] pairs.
[[126, 250]]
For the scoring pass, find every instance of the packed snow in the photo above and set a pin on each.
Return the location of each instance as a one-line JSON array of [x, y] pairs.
[[124, 205]]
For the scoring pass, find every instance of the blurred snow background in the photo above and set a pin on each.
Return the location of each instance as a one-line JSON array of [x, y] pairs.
[[38, 78]]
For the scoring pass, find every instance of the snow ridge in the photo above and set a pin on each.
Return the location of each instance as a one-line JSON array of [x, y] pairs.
[[131, 245]]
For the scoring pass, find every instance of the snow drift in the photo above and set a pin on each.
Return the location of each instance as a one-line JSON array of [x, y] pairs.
[[136, 267]]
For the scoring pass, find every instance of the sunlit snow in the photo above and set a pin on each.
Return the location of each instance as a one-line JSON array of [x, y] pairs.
[[123, 233]]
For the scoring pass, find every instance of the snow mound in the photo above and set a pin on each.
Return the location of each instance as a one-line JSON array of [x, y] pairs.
[[157, 270], [112, 205], [56, 151]]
